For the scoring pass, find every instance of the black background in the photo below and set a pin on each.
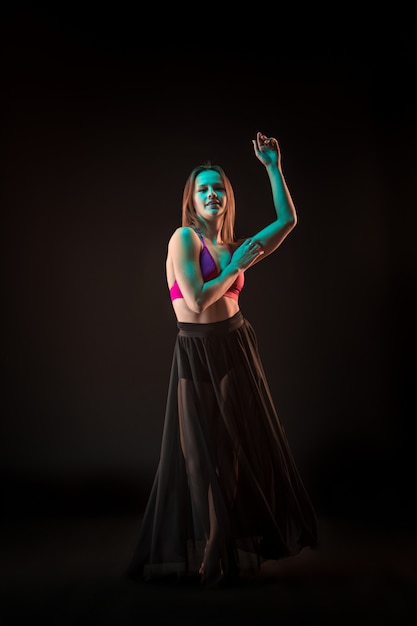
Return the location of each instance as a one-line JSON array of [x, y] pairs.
[[106, 112]]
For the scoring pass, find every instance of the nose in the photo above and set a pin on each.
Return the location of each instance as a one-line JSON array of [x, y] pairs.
[[211, 192]]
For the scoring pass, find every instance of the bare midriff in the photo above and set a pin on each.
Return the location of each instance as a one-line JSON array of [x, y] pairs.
[[217, 312]]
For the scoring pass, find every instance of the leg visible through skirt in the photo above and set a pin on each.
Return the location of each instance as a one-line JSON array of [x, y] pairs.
[[226, 480]]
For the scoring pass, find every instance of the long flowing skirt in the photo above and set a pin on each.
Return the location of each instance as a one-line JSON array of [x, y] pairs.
[[226, 472]]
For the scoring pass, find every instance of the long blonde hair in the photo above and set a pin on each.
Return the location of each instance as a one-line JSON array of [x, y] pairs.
[[189, 215]]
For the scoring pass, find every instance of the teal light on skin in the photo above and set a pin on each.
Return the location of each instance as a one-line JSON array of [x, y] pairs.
[[209, 198]]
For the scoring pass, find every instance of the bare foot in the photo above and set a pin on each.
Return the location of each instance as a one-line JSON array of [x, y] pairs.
[[211, 569]]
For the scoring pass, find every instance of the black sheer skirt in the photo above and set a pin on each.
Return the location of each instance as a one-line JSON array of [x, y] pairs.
[[226, 492]]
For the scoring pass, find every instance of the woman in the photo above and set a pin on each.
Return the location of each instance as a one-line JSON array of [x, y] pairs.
[[227, 494]]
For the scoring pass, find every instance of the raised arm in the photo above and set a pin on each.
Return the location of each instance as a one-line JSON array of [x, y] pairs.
[[268, 152]]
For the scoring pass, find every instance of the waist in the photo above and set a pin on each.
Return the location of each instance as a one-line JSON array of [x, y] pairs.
[[218, 311], [228, 325]]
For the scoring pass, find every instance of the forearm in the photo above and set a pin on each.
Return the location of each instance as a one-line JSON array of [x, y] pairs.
[[214, 289], [276, 231]]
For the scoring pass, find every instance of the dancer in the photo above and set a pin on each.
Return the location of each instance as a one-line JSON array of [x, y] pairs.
[[227, 494]]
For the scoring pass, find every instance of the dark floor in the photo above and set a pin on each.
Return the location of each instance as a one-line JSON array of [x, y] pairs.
[[72, 571]]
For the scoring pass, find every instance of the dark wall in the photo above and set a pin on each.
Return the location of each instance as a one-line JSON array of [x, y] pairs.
[[101, 131]]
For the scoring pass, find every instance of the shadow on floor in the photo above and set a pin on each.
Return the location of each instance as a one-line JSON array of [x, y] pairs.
[[72, 571]]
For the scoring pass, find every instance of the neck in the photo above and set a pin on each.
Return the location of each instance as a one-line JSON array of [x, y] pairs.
[[211, 230]]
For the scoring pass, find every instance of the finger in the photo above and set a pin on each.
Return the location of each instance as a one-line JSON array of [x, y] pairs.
[[265, 141], [254, 247]]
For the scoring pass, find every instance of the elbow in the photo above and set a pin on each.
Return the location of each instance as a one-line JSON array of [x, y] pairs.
[[199, 305], [293, 219], [196, 300], [288, 223], [196, 305], [291, 223]]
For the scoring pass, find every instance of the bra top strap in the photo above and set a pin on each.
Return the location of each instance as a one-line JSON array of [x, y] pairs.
[[200, 235]]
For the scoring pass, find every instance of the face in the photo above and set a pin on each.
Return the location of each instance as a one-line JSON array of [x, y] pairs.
[[209, 195]]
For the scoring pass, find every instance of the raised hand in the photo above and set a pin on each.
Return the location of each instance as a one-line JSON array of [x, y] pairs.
[[267, 150]]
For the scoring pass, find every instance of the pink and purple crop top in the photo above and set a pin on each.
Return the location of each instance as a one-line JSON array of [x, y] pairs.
[[209, 271]]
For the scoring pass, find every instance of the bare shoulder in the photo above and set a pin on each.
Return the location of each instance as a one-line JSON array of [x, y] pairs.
[[184, 236]]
